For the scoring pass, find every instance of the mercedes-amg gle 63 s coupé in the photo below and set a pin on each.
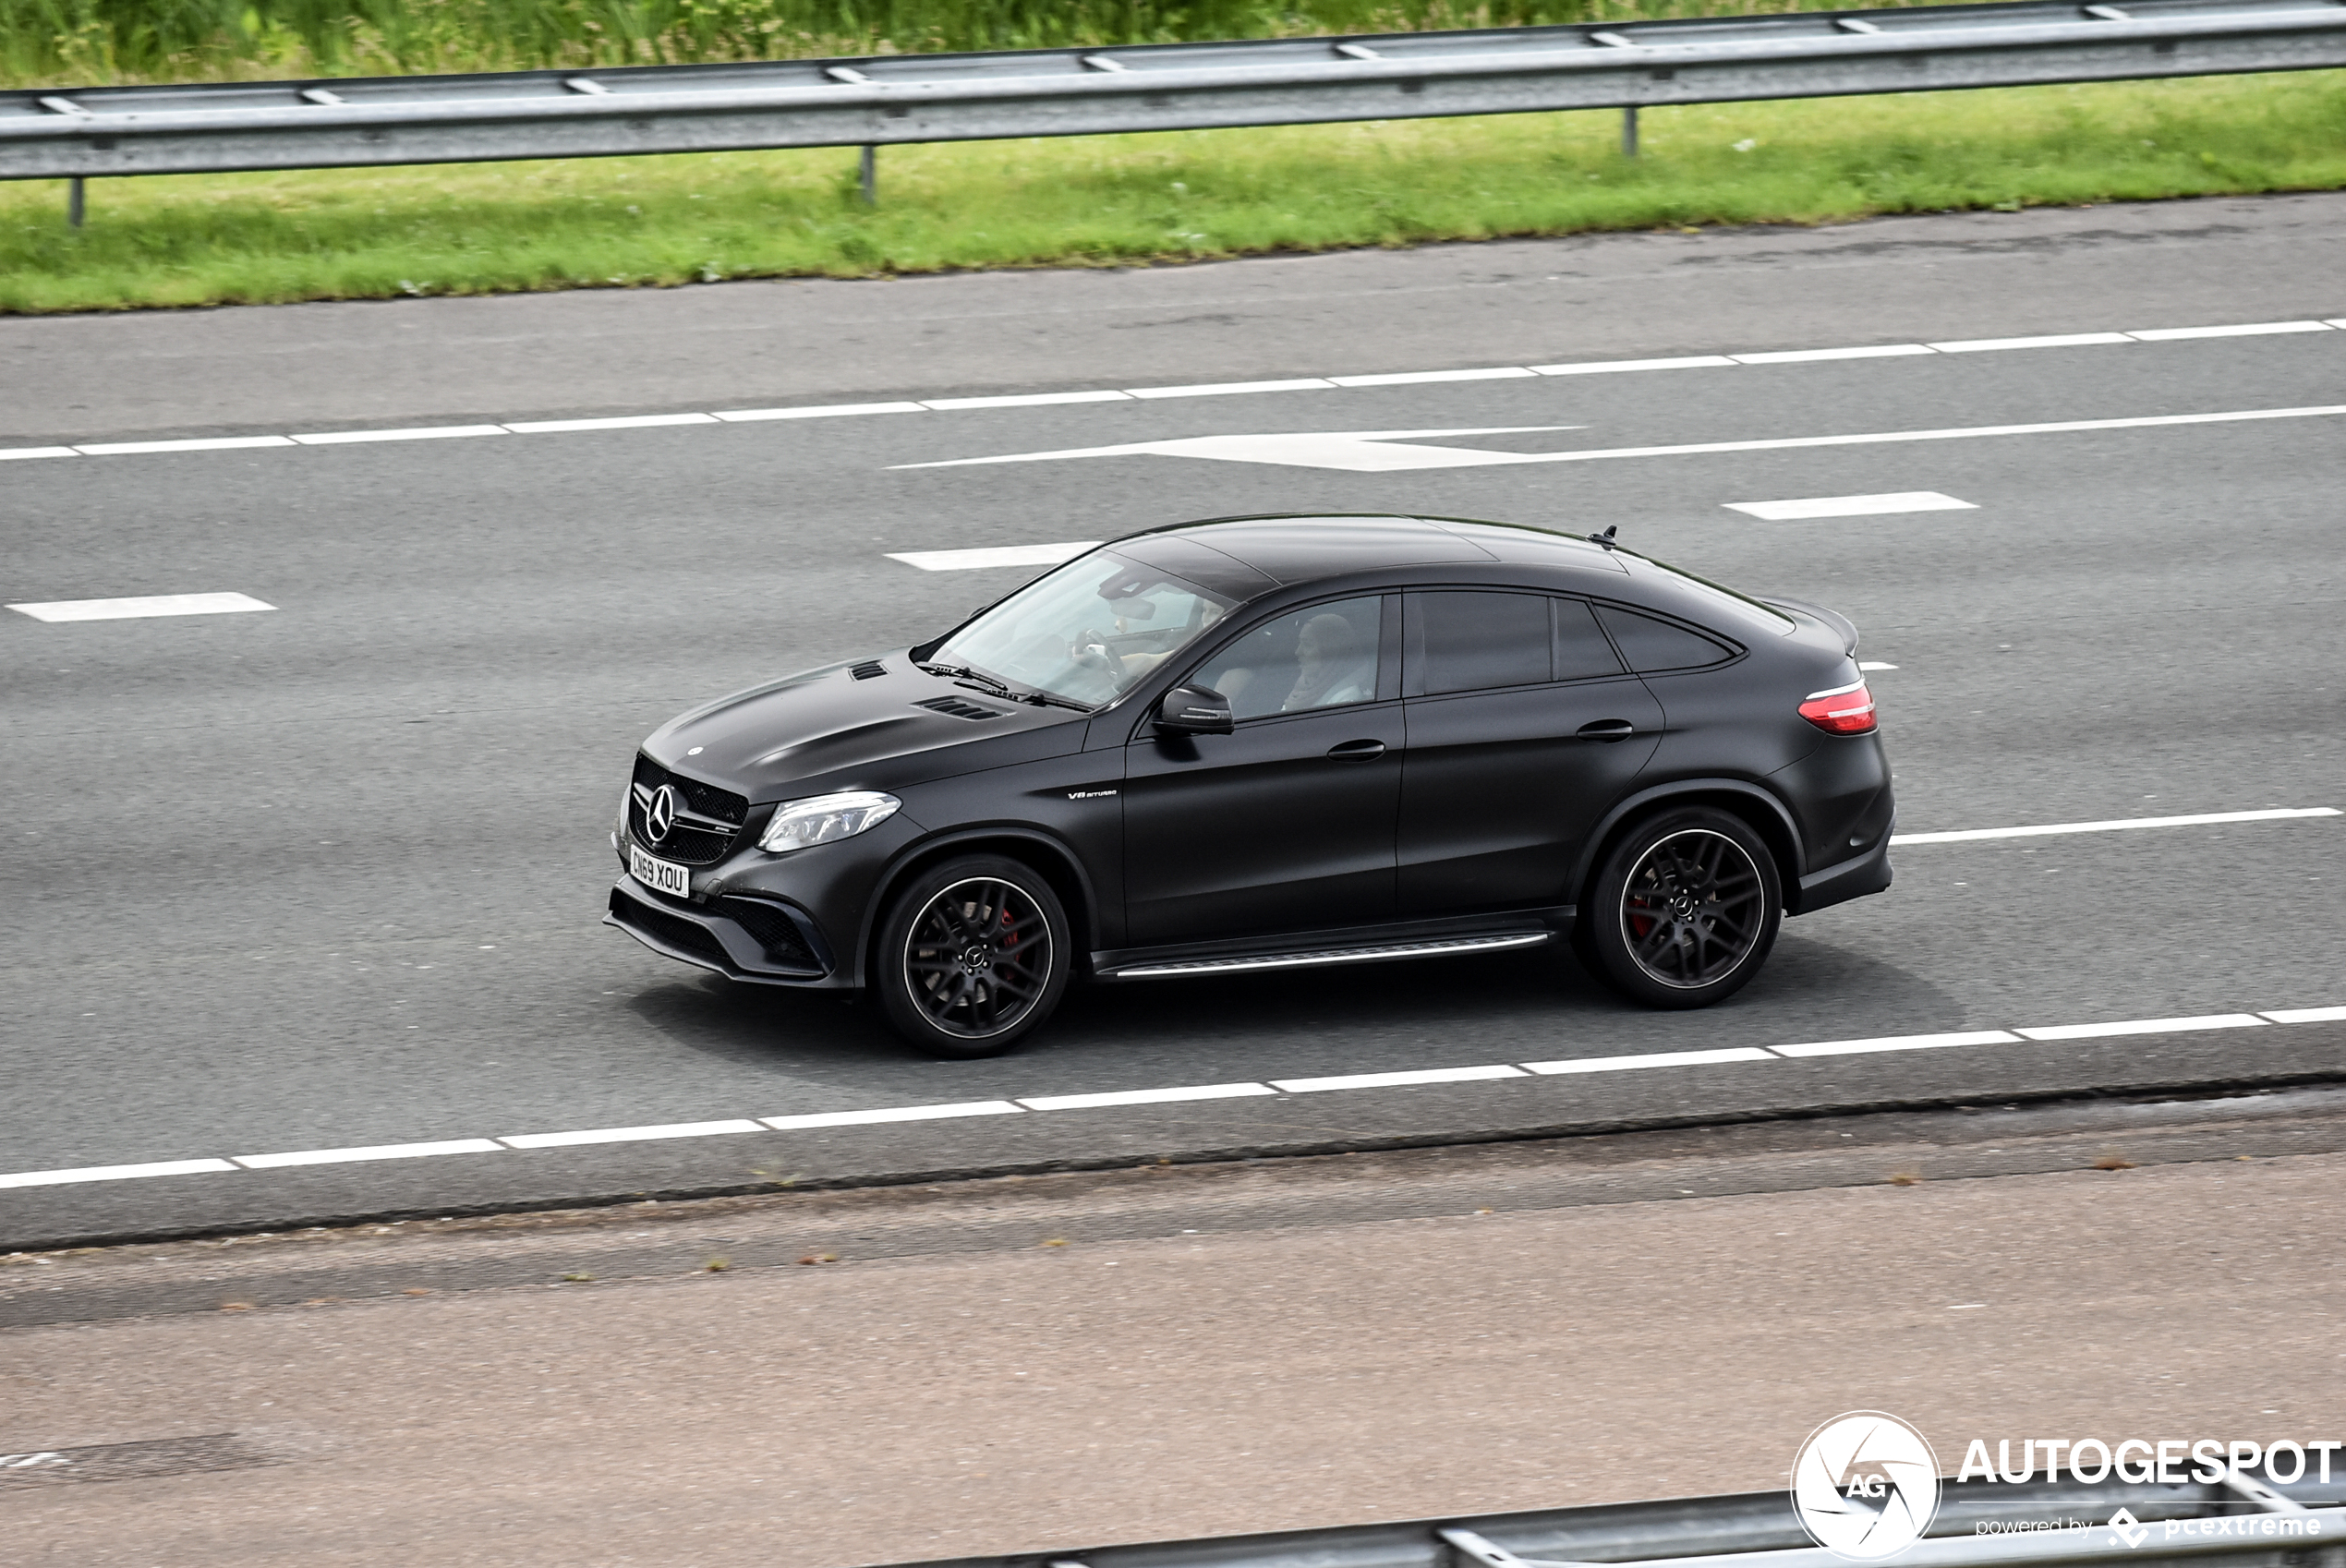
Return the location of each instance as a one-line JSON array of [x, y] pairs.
[[1266, 743]]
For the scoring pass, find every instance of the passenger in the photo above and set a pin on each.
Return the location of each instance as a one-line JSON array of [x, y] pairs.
[[1334, 668]]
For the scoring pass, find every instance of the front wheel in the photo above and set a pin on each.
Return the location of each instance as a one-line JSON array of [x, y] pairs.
[[974, 957], [1686, 909]]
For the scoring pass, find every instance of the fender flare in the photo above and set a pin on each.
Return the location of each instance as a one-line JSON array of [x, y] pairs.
[[1785, 842], [883, 885]]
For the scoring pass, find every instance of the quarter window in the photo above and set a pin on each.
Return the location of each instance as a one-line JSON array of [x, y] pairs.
[[1649, 645], [1581, 650], [1324, 656], [1465, 642]]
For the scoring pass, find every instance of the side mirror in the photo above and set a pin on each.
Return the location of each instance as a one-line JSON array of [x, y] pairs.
[[1194, 710]]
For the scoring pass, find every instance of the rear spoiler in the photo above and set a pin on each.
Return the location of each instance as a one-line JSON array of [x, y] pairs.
[[1833, 618]]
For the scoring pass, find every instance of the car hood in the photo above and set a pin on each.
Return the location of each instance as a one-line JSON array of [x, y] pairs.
[[837, 729]]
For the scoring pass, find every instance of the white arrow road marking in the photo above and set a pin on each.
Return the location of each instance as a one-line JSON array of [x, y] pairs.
[[1357, 452], [1364, 451]]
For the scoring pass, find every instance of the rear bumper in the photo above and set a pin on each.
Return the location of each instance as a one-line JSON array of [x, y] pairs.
[[1853, 878], [762, 941]]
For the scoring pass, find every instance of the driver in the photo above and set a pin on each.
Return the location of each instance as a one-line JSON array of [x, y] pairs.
[[1333, 667]]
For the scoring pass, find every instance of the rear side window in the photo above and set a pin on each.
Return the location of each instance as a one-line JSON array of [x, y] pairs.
[[1581, 650], [1465, 642], [1649, 645]]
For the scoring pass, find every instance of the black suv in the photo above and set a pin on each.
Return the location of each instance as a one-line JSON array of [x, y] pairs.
[[1265, 743]]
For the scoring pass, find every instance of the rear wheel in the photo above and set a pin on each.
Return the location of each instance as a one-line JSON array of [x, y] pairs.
[[1686, 909], [974, 957]]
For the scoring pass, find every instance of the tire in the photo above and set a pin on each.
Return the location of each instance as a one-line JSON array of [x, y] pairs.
[[1684, 909], [974, 957]]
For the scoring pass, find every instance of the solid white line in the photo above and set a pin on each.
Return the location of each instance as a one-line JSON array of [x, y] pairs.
[[1992, 345], [818, 411], [115, 1172], [1802, 356], [1612, 366], [1023, 400], [1146, 1096], [419, 433], [1004, 555], [1652, 1059], [214, 443], [379, 1151], [1156, 1096], [2142, 1026], [2252, 329], [1227, 389], [137, 609], [623, 1134], [1393, 1080], [545, 427], [1850, 506], [1414, 377], [1969, 834], [623, 422], [895, 1114], [1896, 1043], [1865, 664]]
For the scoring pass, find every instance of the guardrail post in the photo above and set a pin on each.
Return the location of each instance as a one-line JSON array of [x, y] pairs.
[[74, 204], [1629, 131], [869, 174]]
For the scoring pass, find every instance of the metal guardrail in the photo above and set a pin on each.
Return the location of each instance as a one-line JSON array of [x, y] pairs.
[[1973, 1529], [215, 128]]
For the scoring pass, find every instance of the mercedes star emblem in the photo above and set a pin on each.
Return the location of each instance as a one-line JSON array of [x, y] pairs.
[[659, 816]]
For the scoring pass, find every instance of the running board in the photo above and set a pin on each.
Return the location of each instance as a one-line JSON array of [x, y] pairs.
[[1438, 949]]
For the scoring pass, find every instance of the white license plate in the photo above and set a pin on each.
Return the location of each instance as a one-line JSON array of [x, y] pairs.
[[660, 877]]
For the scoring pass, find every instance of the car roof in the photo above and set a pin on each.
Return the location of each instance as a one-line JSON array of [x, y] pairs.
[[1290, 550]]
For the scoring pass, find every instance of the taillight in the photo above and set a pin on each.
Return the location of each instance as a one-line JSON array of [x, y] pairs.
[[1845, 710]]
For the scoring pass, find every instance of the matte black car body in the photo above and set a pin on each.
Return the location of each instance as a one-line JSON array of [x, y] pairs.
[[1486, 812]]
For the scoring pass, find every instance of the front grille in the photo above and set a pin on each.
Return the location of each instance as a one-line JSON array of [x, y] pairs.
[[680, 934], [686, 843], [775, 931]]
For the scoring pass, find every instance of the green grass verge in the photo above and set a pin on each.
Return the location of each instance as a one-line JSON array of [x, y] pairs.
[[1113, 201]]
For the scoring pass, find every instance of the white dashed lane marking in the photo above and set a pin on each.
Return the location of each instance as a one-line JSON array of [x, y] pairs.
[[1736, 1056], [2203, 819], [1850, 506], [1202, 389], [131, 610]]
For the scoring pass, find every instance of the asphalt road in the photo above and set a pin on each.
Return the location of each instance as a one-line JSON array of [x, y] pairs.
[[329, 875], [1054, 1363]]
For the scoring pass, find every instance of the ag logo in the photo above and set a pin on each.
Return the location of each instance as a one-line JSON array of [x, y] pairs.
[[1865, 1485]]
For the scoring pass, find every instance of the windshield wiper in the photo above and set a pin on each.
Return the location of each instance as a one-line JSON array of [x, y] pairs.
[[988, 683]]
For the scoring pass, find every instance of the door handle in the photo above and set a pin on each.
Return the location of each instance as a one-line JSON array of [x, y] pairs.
[[1357, 751], [1608, 729]]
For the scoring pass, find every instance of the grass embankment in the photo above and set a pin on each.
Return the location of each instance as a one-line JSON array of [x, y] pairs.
[[217, 239]]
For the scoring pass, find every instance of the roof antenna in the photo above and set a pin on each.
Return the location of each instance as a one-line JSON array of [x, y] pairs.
[[1606, 538]]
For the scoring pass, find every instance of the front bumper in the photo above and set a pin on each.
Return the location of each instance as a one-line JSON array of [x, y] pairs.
[[764, 941]]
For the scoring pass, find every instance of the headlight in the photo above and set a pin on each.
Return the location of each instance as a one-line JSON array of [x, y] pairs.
[[822, 818]]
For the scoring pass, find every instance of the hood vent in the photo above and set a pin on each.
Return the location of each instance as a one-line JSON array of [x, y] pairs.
[[959, 708], [869, 669]]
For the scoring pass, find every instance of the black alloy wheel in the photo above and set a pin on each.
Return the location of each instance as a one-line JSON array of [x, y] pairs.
[[973, 956], [1686, 909]]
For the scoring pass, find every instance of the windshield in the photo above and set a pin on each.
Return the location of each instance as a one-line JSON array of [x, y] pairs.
[[1087, 633]]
